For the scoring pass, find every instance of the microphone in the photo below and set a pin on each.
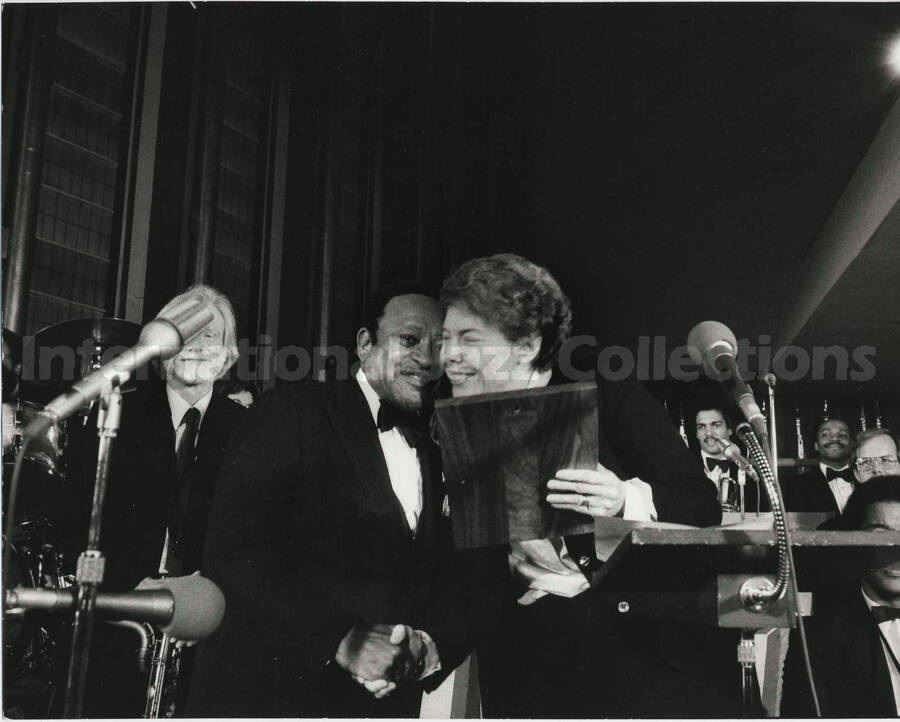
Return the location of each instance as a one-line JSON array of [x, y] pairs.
[[713, 345], [187, 608], [733, 454], [163, 337]]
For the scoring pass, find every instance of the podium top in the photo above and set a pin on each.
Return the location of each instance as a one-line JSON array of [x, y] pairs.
[[680, 560]]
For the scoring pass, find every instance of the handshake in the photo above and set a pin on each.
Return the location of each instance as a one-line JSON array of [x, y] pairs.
[[381, 656]]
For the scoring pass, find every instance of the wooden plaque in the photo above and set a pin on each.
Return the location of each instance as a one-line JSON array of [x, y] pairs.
[[499, 452]]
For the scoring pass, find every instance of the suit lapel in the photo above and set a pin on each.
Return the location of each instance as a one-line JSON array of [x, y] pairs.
[[432, 495], [211, 436], [355, 429]]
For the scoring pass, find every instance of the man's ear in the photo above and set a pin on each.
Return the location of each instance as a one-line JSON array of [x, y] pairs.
[[526, 351], [856, 474], [363, 343]]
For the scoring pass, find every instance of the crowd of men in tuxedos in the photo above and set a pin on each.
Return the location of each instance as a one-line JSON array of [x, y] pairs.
[[844, 462], [321, 514]]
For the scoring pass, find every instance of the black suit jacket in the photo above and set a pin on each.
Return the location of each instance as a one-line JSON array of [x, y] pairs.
[[141, 478], [849, 667], [306, 539], [637, 439], [810, 492], [136, 514]]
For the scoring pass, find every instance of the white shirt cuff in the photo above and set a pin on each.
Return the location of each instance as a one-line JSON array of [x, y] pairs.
[[432, 659], [638, 508], [638, 501]]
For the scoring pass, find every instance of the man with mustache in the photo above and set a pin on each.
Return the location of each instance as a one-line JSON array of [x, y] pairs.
[[327, 537], [827, 487], [713, 427], [854, 645]]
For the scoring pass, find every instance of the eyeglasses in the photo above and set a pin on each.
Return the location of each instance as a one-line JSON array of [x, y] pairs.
[[870, 462]]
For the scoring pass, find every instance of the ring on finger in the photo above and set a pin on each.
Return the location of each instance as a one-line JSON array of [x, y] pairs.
[[586, 502]]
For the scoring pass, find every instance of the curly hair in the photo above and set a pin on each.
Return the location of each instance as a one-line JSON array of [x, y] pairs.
[[517, 296]]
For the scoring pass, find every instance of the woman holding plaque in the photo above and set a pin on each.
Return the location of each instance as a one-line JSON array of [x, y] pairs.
[[551, 648]]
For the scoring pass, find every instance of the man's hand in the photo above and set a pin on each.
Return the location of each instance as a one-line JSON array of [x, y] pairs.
[[597, 493], [381, 656]]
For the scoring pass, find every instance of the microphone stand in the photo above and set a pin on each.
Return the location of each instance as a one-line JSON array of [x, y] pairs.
[[89, 571], [757, 593], [773, 438]]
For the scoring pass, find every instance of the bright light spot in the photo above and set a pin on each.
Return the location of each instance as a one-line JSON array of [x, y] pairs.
[[894, 56]]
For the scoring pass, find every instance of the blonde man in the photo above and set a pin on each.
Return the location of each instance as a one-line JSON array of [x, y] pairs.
[[164, 465]]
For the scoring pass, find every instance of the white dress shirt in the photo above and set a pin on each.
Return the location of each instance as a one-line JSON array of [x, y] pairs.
[[891, 630], [722, 479], [402, 460], [841, 489], [405, 473]]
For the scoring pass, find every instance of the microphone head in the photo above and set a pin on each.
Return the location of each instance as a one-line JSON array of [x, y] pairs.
[[162, 336], [770, 380], [709, 340], [199, 607], [189, 317]]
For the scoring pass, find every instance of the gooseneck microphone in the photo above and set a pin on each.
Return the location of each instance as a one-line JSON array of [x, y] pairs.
[[734, 455], [187, 608], [162, 338], [714, 346]]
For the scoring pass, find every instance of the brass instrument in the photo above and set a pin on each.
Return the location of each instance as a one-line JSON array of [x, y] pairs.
[[801, 447], [162, 681], [681, 430]]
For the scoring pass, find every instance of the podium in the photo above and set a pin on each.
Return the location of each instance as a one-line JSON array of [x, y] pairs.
[[696, 575]]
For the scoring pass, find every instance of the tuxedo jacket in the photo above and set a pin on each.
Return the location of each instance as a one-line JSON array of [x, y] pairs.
[[810, 492], [753, 492], [849, 667], [141, 482], [307, 539]]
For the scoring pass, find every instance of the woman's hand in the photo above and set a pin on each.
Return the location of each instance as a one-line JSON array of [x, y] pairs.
[[597, 493]]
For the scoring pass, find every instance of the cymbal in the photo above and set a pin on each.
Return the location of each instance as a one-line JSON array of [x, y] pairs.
[[104, 332]]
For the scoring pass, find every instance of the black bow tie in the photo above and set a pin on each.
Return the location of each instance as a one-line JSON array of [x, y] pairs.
[[845, 474], [407, 423], [723, 464], [885, 614]]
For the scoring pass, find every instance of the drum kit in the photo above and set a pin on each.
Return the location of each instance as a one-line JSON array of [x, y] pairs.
[[37, 556]]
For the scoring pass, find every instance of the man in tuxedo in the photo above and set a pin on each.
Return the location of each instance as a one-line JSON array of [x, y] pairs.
[[876, 454], [713, 429], [164, 464], [854, 645], [827, 487], [327, 537]]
